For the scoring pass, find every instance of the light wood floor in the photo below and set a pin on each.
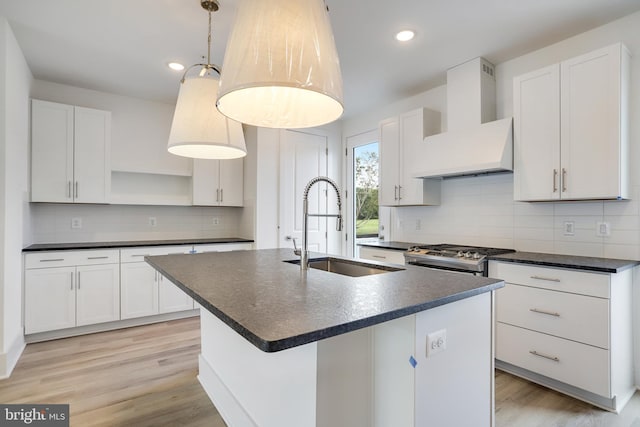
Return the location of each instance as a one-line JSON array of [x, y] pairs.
[[146, 376]]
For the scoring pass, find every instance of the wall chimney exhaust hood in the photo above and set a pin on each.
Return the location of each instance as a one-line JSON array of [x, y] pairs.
[[475, 142]]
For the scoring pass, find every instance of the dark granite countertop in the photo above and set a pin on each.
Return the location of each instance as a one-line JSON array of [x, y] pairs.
[[383, 244], [130, 244], [602, 265], [275, 306]]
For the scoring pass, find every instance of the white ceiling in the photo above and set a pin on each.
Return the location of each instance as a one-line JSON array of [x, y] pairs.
[[122, 46]]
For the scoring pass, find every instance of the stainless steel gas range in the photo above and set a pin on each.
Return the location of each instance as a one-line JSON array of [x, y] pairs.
[[463, 259]]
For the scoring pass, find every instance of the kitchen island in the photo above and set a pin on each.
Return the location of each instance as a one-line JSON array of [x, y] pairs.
[[281, 347]]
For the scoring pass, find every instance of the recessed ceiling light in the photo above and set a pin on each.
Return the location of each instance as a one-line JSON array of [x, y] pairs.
[[176, 66], [405, 35]]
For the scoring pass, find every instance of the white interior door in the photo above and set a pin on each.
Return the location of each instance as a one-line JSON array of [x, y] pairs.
[[303, 156]]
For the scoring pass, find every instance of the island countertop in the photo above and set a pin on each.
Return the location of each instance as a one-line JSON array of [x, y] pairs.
[[275, 306]]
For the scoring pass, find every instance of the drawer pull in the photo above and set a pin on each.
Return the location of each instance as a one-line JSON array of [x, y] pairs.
[[140, 255], [548, 279], [548, 313], [535, 353], [97, 257], [52, 260], [379, 256]]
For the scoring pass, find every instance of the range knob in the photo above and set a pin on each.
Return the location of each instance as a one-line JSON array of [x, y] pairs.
[[460, 254], [467, 254], [476, 255]]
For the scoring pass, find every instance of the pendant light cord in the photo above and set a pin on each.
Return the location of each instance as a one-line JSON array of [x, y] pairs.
[[209, 42]]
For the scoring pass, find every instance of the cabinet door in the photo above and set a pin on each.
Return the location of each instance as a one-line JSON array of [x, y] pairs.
[[92, 154], [206, 182], [139, 290], [231, 182], [50, 299], [97, 294], [591, 123], [389, 162], [536, 111], [172, 298], [51, 152]]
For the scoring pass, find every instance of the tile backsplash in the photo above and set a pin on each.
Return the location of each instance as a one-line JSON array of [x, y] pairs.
[[52, 223], [481, 211]]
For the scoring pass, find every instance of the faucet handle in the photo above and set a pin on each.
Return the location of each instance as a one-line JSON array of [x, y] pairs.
[[296, 251]]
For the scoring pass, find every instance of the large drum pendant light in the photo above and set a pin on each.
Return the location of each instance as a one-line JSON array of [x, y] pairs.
[[198, 129], [281, 67]]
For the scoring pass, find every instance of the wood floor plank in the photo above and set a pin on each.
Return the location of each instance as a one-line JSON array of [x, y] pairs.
[[146, 376]]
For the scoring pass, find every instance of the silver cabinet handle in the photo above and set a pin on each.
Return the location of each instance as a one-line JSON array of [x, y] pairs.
[[395, 192], [76, 195], [71, 280], [399, 192], [139, 255], [222, 195], [379, 256], [564, 180], [535, 353], [97, 257], [68, 189], [78, 281], [548, 313], [52, 260], [555, 180], [548, 279], [217, 194]]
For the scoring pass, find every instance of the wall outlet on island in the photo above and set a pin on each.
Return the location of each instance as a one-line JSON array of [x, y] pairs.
[[215, 220], [436, 342], [76, 222], [152, 221], [569, 228]]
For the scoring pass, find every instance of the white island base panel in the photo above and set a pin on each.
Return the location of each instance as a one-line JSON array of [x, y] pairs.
[[359, 379]]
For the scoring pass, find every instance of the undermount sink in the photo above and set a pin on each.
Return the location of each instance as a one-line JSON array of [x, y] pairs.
[[347, 267]]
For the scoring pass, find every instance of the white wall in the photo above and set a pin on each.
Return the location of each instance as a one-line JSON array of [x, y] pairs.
[[15, 83], [481, 210]]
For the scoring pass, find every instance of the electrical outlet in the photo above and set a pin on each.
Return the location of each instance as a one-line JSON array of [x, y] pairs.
[[436, 342], [603, 229], [569, 228], [76, 222], [152, 221], [215, 220]]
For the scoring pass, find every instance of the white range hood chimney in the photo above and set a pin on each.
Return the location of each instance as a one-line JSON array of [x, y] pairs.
[[475, 143]]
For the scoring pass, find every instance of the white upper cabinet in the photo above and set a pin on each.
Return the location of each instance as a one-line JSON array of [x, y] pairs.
[[218, 182], [70, 153], [570, 129], [401, 151]]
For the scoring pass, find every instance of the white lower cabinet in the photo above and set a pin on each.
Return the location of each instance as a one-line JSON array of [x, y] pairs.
[[382, 255], [139, 288], [567, 329], [81, 288], [145, 292], [171, 298]]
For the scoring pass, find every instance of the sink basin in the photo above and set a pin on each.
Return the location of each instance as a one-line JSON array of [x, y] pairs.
[[347, 267]]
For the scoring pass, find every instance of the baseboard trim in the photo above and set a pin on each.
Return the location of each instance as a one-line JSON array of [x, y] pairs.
[[109, 326], [232, 412], [614, 404], [9, 360]]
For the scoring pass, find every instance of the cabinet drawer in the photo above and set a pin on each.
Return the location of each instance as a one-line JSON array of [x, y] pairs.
[[576, 364], [575, 317], [138, 254], [577, 282], [382, 255], [71, 258], [221, 247]]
